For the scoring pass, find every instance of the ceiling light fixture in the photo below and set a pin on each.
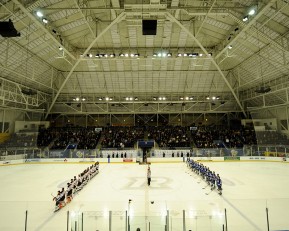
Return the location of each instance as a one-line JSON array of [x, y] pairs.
[[230, 47], [252, 12], [39, 14], [245, 19], [44, 20]]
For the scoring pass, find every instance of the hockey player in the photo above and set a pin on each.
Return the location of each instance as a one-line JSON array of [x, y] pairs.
[[219, 185], [59, 201], [69, 192]]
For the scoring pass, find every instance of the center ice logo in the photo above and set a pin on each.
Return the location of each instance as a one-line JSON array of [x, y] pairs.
[[140, 182]]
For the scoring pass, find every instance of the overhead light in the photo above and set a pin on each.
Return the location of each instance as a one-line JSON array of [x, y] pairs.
[[218, 97], [191, 98], [181, 98], [101, 55], [160, 98], [185, 55], [154, 98], [105, 55], [252, 12], [169, 54], [83, 99], [195, 54], [210, 54], [90, 55], [77, 99], [187, 98], [201, 55], [136, 98], [39, 14], [126, 98], [214, 97], [121, 54], [131, 55], [97, 56], [112, 55], [230, 47], [154, 54], [136, 55], [159, 54], [179, 54], [110, 99], [208, 97], [100, 99], [164, 54], [131, 98], [245, 19], [126, 55], [164, 98], [44, 20], [60, 48], [106, 98]]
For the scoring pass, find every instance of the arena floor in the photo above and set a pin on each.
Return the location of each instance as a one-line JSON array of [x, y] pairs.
[[248, 189]]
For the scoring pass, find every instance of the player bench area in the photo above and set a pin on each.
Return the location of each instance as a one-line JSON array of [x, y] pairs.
[[76, 184], [207, 175]]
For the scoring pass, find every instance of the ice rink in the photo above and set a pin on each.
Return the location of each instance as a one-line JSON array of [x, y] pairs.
[[248, 189]]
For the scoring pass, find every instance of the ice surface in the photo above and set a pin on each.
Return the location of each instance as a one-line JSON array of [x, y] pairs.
[[248, 189]]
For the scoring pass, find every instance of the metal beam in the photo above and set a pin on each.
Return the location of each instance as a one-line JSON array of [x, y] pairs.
[[212, 59], [117, 20], [203, 21], [87, 23], [142, 112], [246, 26], [42, 27]]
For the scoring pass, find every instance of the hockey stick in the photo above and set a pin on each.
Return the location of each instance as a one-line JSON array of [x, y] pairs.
[[209, 192], [206, 186]]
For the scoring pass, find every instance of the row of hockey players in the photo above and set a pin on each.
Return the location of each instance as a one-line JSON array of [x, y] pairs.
[[209, 176], [76, 184]]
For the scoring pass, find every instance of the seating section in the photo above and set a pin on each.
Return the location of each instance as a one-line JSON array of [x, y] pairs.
[[271, 137], [207, 137], [167, 137], [122, 137], [85, 138], [170, 136], [21, 140]]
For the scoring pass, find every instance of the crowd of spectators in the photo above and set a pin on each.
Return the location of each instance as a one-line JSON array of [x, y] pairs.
[[46, 136], [169, 136], [121, 137], [126, 137], [84, 138], [219, 137]]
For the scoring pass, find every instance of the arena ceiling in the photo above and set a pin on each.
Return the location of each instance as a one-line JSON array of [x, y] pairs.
[[204, 57]]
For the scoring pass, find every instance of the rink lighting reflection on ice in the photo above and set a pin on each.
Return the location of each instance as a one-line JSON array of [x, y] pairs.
[[217, 213]]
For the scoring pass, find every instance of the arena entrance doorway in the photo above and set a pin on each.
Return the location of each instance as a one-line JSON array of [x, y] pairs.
[[146, 146]]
